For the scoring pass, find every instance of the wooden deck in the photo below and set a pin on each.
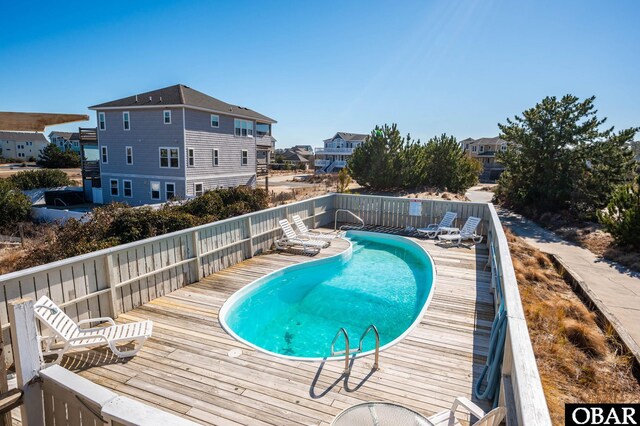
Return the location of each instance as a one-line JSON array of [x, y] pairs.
[[185, 367]]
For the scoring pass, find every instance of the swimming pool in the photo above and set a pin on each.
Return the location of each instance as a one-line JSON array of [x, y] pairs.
[[296, 311]]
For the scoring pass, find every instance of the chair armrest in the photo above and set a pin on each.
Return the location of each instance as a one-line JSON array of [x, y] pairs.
[[100, 319], [470, 406]]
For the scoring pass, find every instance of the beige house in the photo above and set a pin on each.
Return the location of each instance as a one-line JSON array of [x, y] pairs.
[[22, 145], [484, 150]]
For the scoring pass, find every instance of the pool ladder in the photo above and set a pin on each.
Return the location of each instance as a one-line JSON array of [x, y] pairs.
[[346, 351]]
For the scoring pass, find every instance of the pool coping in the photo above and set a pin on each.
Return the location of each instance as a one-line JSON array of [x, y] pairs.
[[345, 255]]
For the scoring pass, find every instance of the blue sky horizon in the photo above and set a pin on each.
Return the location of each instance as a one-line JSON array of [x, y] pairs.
[[432, 67]]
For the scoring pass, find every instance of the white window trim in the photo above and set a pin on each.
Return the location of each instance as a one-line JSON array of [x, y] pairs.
[[163, 116], [215, 155], [218, 121], [111, 187], [124, 193], [127, 121], [242, 157], [191, 155], [102, 122], [126, 155], [481, 148], [166, 194], [168, 148], [104, 152], [239, 121], [151, 190], [195, 192]]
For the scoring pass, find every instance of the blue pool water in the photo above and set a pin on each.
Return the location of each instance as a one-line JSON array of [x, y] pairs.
[[296, 312]]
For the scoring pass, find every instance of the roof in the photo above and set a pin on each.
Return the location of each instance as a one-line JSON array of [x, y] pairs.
[[489, 141], [70, 136], [291, 155], [352, 136], [300, 150], [23, 136], [35, 121], [180, 94]]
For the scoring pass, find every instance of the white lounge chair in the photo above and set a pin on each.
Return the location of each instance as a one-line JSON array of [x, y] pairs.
[[306, 232], [445, 226], [448, 417], [291, 239], [67, 334], [468, 232]]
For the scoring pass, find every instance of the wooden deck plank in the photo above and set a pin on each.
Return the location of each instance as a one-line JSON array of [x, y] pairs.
[[185, 368]]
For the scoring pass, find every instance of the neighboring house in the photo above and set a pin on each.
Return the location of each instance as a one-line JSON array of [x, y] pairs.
[[176, 142], [22, 145], [66, 141], [484, 150], [295, 158], [305, 148], [336, 151]]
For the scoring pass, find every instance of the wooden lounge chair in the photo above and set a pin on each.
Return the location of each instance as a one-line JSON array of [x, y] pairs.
[[67, 334], [448, 417], [290, 239], [468, 232], [306, 232], [445, 226]]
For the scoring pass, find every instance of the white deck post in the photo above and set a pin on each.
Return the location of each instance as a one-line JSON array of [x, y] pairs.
[[109, 277], [26, 355], [249, 235], [195, 254]]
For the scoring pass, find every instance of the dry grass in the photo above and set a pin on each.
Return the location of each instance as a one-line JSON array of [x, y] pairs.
[[577, 360]]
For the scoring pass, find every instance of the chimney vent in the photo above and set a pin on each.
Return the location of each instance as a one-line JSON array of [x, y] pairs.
[[136, 98], [150, 98]]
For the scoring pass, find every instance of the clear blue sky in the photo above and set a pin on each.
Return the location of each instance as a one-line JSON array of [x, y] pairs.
[[458, 67]]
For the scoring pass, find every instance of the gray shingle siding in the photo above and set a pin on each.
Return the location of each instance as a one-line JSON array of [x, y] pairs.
[[141, 190]]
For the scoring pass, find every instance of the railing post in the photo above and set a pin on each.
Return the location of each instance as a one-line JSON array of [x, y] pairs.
[[195, 254], [109, 277], [380, 212], [249, 234], [26, 354]]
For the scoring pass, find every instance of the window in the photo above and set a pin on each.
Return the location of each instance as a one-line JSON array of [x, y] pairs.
[[125, 120], [473, 148], [481, 148], [243, 128], [167, 117], [215, 157], [114, 187], [102, 123], [262, 130], [169, 158], [129, 153], [245, 157], [155, 190], [170, 190], [503, 147], [198, 189], [190, 157], [127, 188], [215, 121], [104, 155]]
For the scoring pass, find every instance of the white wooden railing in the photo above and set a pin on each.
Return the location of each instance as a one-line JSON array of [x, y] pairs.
[[119, 279]]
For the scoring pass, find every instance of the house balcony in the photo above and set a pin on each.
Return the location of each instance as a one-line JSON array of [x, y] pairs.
[[334, 151]]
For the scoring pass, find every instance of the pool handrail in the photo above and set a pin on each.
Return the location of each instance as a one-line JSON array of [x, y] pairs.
[[335, 222], [346, 348], [375, 331]]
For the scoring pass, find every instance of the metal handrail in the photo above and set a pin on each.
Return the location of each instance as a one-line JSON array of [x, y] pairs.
[[345, 351], [335, 223], [375, 331]]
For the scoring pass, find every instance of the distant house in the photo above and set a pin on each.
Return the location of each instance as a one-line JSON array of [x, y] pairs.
[[336, 151], [295, 158], [66, 141], [484, 150], [305, 148], [176, 142], [22, 145]]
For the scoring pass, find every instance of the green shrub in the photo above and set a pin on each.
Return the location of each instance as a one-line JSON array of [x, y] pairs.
[[622, 215], [14, 205], [448, 167], [32, 179], [53, 157]]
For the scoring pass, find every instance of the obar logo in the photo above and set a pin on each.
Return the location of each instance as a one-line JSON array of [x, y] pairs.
[[601, 414]]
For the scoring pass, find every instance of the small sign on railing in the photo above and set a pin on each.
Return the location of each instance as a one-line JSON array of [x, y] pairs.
[[415, 208]]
